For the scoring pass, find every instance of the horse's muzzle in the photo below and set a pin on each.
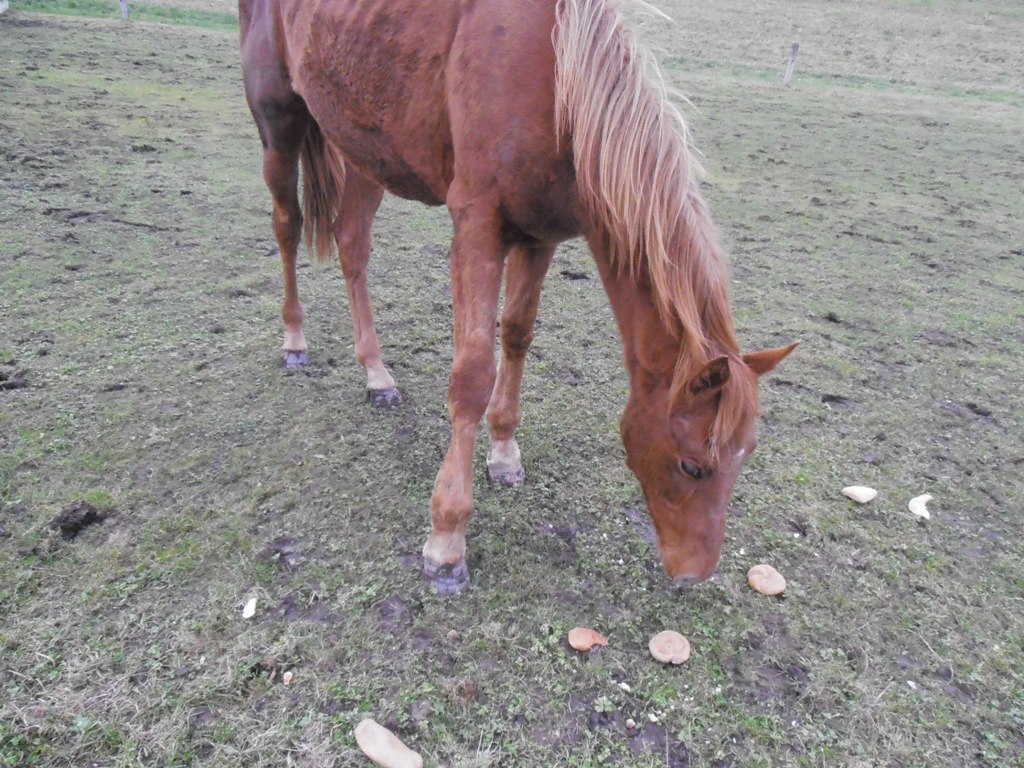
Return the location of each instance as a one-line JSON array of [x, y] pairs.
[[687, 580]]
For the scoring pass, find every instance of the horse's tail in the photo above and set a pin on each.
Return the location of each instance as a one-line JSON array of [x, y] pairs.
[[323, 182], [636, 173]]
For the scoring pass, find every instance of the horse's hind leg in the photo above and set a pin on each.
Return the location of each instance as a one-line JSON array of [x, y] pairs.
[[283, 122], [280, 170], [359, 204], [524, 275]]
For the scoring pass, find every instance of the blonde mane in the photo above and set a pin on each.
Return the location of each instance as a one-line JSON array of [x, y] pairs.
[[636, 176]]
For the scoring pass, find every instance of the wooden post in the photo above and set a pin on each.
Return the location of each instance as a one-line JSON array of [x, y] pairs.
[[124, 9], [792, 62]]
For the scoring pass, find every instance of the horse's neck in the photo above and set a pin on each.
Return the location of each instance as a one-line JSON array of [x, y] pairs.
[[649, 348]]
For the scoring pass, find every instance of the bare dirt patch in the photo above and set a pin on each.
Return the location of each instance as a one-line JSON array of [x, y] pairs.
[[75, 518]]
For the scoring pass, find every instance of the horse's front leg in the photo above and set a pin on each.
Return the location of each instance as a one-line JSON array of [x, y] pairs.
[[476, 266], [524, 276]]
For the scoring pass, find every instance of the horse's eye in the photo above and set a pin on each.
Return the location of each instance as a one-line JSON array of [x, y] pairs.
[[693, 470]]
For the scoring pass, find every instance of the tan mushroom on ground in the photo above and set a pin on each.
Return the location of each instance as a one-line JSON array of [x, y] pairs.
[[384, 748], [669, 647], [860, 493], [918, 505], [766, 580], [584, 638]]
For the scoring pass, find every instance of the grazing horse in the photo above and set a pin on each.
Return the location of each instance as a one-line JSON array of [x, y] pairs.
[[533, 121]]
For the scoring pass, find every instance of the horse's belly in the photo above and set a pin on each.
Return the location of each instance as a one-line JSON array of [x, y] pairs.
[[372, 75], [377, 159]]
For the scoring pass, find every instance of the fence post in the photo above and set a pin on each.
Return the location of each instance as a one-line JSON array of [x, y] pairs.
[[124, 9], [792, 62]]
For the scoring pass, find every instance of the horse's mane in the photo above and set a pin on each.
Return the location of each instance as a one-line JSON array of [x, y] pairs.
[[636, 175]]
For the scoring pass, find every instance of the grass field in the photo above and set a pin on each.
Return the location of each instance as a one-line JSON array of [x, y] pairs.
[[872, 210]]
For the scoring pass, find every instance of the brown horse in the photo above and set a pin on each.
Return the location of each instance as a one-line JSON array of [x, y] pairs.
[[534, 121]]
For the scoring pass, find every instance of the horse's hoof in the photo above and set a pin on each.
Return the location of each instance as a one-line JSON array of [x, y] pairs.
[[512, 477], [449, 579], [384, 398], [295, 359]]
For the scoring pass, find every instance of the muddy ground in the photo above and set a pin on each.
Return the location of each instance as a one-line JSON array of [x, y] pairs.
[[873, 211]]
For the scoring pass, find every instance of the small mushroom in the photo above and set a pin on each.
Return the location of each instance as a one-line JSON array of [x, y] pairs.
[[860, 493], [287, 677], [766, 580], [918, 506], [584, 638], [669, 647], [384, 748]]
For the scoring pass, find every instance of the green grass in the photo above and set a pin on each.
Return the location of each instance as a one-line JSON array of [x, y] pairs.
[[21, 749], [831, 81], [138, 11], [868, 221]]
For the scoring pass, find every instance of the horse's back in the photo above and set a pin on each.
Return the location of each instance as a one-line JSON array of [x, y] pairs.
[[421, 94], [372, 75]]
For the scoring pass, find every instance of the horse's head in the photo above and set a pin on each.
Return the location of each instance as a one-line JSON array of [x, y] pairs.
[[672, 439]]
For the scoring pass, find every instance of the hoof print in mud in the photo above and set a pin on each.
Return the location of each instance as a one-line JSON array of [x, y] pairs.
[[447, 579], [15, 380], [295, 360], [384, 398], [75, 517], [285, 552]]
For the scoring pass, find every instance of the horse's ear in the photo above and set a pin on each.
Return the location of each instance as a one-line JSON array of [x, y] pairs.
[[765, 360], [711, 378]]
